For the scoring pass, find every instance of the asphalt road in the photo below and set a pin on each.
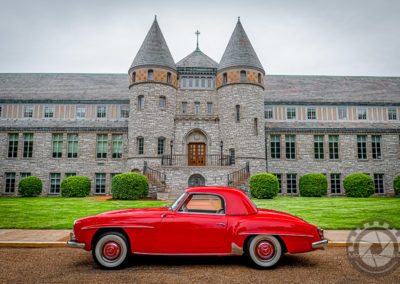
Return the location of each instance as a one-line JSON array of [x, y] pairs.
[[60, 265]]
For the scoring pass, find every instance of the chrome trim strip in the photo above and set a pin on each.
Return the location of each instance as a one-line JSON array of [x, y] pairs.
[[73, 244], [129, 227], [184, 254], [269, 233], [319, 244]]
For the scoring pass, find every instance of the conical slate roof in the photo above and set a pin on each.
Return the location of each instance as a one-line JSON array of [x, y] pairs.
[[154, 50], [239, 51], [197, 59]]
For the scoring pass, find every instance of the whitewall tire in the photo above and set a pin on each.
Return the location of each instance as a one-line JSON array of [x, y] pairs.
[[264, 251], [111, 250]]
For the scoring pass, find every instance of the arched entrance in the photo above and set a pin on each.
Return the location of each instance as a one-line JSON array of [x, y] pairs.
[[196, 142], [196, 180]]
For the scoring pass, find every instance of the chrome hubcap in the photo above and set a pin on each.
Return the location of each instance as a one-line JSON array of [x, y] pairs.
[[265, 250], [111, 250]]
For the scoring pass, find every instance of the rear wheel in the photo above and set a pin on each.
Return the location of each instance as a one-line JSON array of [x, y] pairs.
[[264, 251], [111, 250]]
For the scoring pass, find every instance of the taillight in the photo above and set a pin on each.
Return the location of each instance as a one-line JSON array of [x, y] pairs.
[[321, 233]]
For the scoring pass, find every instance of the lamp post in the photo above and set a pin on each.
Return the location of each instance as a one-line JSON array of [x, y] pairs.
[[171, 145], [222, 146]]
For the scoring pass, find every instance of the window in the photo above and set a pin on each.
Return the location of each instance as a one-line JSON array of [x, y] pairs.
[[72, 151], [362, 114], [224, 78], [133, 77], [342, 113], [255, 126], [291, 183], [101, 111], [279, 177], [376, 147], [190, 82], [28, 111], [48, 111], [196, 80], [80, 112], [209, 108], [335, 184], [268, 113], [57, 145], [290, 146], [67, 175], [162, 103], [392, 114], [169, 78], [209, 83], [150, 75], [378, 182], [24, 175], [196, 108], [102, 145], [117, 146], [275, 146], [243, 77], [100, 183], [140, 102], [311, 113], [12, 145], [203, 82], [140, 145], [160, 146], [319, 147], [231, 156], [362, 146], [10, 183], [28, 145], [333, 147], [55, 183], [184, 82], [259, 78], [184, 107], [291, 113], [203, 203], [237, 113], [124, 111]]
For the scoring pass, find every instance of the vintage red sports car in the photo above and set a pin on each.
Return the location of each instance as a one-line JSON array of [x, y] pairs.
[[203, 221]]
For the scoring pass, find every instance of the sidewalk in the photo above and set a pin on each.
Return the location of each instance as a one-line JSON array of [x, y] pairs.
[[58, 238]]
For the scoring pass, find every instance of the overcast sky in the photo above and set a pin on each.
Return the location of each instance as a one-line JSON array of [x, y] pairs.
[[294, 37]]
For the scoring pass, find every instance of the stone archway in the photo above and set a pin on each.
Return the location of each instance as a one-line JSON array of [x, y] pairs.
[[196, 180]]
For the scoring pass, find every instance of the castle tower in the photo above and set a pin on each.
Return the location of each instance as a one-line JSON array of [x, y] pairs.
[[240, 83], [153, 84]]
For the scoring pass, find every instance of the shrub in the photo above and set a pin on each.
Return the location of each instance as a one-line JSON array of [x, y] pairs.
[[129, 186], [313, 185], [264, 185], [396, 184], [358, 185], [75, 186], [30, 186]]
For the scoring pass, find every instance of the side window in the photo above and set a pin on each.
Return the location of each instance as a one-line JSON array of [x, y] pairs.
[[150, 75], [203, 203]]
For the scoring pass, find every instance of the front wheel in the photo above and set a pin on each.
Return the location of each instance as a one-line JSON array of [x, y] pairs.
[[264, 251], [111, 250]]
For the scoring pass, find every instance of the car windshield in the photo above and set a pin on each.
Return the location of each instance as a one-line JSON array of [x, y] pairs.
[[176, 203]]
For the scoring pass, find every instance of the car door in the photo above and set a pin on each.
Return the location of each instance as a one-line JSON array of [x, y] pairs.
[[199, 225]]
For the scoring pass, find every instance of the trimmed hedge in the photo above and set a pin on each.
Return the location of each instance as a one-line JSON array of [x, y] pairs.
[[313, 185], [30, 186], [75, 186], [129, 186], [359, 185], [264, 185], [396, 184]]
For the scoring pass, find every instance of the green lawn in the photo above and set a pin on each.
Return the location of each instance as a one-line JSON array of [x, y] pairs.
[[325, 212]]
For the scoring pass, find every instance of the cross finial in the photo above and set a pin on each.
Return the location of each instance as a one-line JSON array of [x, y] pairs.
[[197, 33], [239, 19]]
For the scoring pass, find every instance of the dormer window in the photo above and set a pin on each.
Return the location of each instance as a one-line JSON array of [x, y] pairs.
[[243, 76], [169, 78], [224, 78], [133, 77], [259, 78], [150, 75]]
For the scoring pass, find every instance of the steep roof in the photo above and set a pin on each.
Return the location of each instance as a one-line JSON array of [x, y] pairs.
[[239, 51], [154, 50], [197, 59]]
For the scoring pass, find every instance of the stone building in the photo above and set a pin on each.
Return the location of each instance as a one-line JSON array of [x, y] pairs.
[[197, 122]]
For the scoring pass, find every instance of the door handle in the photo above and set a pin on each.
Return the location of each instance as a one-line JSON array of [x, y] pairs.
[[221, 224]]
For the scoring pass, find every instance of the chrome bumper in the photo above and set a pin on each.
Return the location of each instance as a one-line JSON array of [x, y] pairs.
[[319, 244], [73, 243]]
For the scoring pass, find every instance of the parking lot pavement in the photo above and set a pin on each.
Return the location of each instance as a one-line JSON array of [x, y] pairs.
[[65, 265]]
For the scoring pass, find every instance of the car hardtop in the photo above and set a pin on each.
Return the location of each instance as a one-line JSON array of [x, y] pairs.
[[236, 201]]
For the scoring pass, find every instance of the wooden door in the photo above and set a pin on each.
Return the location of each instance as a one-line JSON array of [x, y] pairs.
[[196, 154]]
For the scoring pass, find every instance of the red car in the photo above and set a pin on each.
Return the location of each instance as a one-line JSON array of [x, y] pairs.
[[203, 221]]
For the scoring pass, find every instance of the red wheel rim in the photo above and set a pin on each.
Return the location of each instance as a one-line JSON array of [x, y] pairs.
[[111, 250], [265, 250]]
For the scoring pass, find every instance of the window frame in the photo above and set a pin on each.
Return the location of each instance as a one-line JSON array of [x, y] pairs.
[[237, 113], [340, 112], [46, 111], [390, 112], [101, 155], [268, 110], [103, 114], [223, 203], [124, 111], [25, 111], [13, 145], [311, 113], [140, 102], [196, 108], [140, 145], [150, 75], [57, 143], [209, 108], [319, 149], [337, 177], [362, 111], [295, 182], [279, 178], [379, 180], [162, 106], [333, 147], [119, 145], [161, 147], [69, 153], [276, 146], [96, 179], [290, 155], [363, 146], [27, 151], [184, 107], [78, 112], [57, 189], [243, 76], [292, 111], [376, 147], [6, 183]]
